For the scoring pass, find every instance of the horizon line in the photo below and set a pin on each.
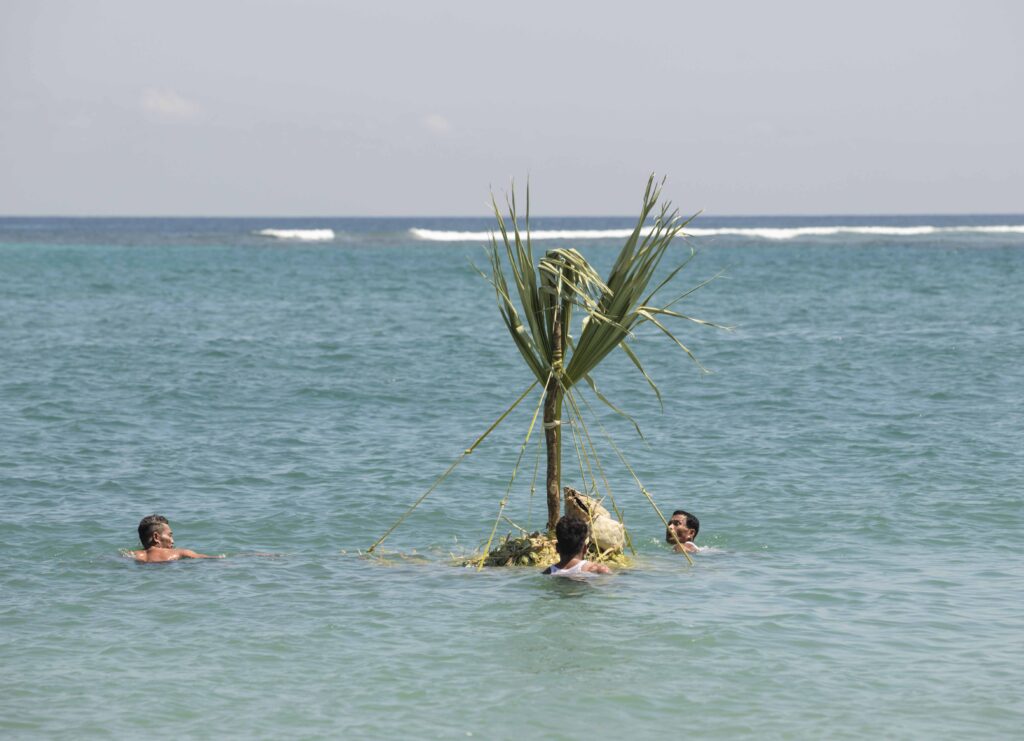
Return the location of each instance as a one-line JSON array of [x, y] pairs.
[[696, 215]]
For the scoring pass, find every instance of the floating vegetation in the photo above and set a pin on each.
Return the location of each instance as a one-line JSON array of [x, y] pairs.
[[537, 550]]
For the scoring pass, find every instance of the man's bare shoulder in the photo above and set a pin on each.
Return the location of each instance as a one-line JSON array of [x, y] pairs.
[[155, 555], [162, 555]]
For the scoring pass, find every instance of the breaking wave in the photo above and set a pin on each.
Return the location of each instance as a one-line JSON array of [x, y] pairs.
[[300, 235], [777, 233]]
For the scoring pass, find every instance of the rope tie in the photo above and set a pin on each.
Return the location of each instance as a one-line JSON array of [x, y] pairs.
[[456, 462], [640, 485]]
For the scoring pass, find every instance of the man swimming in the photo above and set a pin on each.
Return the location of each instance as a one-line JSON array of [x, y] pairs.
[[158, 542], [682, 529], [572, 538]]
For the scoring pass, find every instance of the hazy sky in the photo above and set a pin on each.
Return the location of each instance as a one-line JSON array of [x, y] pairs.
[[297, 107]]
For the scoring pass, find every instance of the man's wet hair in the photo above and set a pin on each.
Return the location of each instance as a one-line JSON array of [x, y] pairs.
[[571, 533], [149, 526], [692, 523]]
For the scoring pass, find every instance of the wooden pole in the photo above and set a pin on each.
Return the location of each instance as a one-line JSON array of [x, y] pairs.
[[553, 421]]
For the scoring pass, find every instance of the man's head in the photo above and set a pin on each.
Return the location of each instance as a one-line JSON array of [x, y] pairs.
[[572, 534], [682, 527], [155, 531]]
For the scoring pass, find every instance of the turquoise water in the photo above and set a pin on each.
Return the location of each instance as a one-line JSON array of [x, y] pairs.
[[856, 459]]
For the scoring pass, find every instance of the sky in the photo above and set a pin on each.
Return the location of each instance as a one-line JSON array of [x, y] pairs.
[[302, 107]]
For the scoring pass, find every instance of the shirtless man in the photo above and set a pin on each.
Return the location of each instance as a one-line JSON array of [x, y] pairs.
[[682, 529], [158, 541]]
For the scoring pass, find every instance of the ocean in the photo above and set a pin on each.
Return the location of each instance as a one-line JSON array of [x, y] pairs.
[[291, 386]]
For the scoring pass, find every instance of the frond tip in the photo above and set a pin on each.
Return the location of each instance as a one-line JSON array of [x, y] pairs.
[[611, 308]]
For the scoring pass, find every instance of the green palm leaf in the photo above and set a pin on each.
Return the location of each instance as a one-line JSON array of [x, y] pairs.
[[535, 295]]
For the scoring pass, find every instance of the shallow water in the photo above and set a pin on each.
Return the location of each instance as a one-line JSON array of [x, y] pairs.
[[856, 459]]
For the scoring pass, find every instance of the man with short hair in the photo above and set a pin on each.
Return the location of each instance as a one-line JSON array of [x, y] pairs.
[[681, 531], [572, 538], [158, 542]]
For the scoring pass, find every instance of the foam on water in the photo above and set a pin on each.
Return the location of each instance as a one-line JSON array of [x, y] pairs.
[[299, 235], [772, 233]]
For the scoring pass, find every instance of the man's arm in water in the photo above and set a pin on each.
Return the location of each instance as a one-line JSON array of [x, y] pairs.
[[185, 553]]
